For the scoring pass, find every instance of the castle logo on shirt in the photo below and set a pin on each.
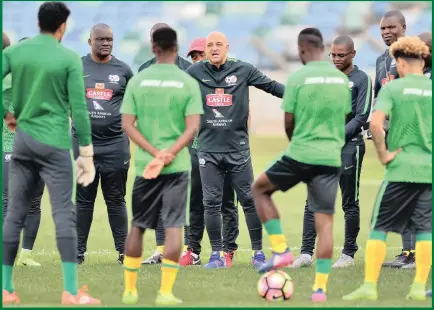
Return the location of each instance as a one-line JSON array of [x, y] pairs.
[[99, 92], [219, 99]]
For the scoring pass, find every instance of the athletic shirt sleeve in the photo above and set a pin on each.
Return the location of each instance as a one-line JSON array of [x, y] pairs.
[[194, 104], [259, 80], [129, 104], [76, 97], [6, 68], [290, 95], [129, 73], [384, 101]]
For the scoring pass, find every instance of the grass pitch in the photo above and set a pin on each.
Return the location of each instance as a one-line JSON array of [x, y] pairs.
[[236, 287]]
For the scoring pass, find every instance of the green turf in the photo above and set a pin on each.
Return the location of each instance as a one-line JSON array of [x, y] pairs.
[[219, 288]]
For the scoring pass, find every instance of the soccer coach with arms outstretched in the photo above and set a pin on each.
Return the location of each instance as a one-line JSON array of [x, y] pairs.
[[223, 141]]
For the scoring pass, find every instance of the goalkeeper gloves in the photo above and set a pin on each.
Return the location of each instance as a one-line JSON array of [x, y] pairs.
[[84, 166]]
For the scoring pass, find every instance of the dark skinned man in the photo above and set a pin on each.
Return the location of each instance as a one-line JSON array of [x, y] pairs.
[[317, 102], [165, 95], [427, 38], [105, 79], [393, 27], [342, 53], [157, 256]]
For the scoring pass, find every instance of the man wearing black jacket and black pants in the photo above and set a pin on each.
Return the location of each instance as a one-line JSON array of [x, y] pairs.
[[223, 140], [342, 54]]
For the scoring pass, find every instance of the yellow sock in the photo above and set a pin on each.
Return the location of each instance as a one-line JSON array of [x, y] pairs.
[[320, 282], [131, 269], [278, 243], [185, 248], [160, 249], [374, 258], [423, 261], [169, 270]]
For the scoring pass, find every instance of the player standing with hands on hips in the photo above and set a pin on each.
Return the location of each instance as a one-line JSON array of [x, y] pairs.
[[405, 195], [393, 27], [105, 80], [161, 114], [342, 54], [317, 102], [53, 78], [223, 141]]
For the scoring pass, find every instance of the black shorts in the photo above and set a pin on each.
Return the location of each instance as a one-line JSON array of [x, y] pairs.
[[167, 195], [322, 182], [400, 204]]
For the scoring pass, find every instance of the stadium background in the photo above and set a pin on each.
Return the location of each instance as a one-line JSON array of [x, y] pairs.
[[263, 33]]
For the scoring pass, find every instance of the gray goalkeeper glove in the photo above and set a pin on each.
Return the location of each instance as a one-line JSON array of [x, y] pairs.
[[84, 165]]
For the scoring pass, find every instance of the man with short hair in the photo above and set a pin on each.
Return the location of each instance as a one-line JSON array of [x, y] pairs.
[[53, 78], [105, 78], [157, 256], [405, 196], [229, 208], [427, 38], [161, 114], [317, 102], [33, 219], [393, 26], [342, 54], [180, 61], [223, 140]]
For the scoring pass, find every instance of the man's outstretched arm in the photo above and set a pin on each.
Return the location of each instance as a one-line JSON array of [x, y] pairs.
[[259, 80]]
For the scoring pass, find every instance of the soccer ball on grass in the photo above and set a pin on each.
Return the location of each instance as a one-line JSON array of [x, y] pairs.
[[275, 285]]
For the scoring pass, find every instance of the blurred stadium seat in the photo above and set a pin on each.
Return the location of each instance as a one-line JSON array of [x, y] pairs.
[[241, 21]]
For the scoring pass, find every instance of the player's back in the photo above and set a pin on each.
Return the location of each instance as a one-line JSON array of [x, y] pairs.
[[162, 94], [322, 99], [40, 98], [408, 101]]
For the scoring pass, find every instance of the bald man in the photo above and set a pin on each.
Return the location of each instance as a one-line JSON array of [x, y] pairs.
[[180, 61], [105, 79], [427, 38], [223, 140], [342, 54]]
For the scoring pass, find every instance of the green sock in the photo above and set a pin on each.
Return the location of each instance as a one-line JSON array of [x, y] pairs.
[[273, 227], [7, 278], [70, 277]]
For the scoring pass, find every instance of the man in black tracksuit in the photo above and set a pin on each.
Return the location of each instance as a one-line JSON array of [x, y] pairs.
[[393, 27], [223, 141], [193, 234], [342, 54], [105, 80]]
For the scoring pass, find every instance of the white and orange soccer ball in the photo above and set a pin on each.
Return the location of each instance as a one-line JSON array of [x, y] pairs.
[[275, 285]]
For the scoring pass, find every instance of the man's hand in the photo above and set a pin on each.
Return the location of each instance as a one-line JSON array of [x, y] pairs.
[[11, 121], [153, 169], [388, 77], [387, 156], [84, 166], [165, 156]]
